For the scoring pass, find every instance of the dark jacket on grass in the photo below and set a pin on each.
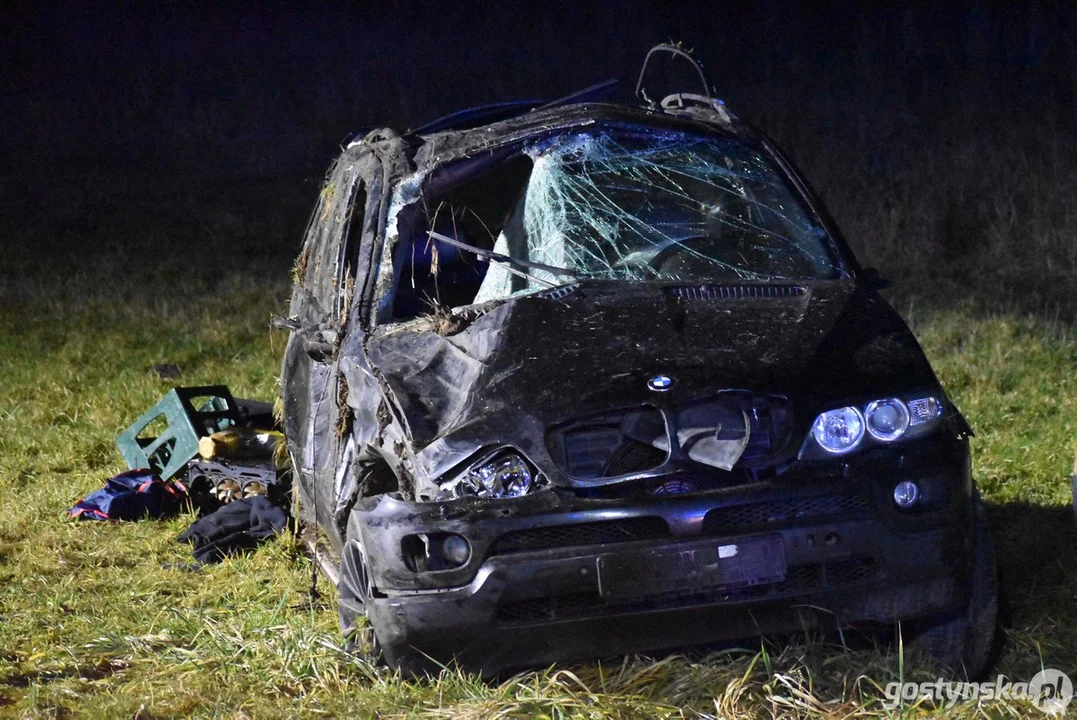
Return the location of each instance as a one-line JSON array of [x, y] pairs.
[[236, 527]]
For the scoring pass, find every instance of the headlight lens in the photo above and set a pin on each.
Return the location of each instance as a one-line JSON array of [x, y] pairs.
[[887, 420], [839, 431], [505, 474]]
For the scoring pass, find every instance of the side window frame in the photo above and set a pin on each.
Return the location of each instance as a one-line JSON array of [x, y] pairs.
[[328, 251], [347, 263]]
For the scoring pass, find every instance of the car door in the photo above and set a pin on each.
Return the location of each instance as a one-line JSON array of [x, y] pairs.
[[321, 298]]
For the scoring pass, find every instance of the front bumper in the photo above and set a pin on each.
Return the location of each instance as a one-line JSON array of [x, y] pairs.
[[533, 593]]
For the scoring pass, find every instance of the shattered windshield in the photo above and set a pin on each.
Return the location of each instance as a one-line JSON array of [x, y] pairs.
[[660, 206]]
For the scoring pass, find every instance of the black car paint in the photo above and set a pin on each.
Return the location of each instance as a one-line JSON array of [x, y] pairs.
[[421, 403], [597, 347]]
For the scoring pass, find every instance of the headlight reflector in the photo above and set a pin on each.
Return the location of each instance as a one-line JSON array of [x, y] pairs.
[[503, 474], [839, 431], [887, 420], [507, 475]]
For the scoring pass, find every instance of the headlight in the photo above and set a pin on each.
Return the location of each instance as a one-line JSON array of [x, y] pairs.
[[504, 474], [887, 420], [839, 431], [507, 476]]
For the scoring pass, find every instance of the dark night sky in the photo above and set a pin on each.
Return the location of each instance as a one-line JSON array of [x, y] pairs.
[[184, 85]]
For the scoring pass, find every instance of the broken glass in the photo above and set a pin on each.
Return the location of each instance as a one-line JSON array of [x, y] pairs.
[[656, 206]]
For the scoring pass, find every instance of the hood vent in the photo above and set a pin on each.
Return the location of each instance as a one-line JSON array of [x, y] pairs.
[[559, 293], [736, 292]]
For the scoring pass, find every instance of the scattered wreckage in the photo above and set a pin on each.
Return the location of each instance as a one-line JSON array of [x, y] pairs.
[[592, 379], [199, 448]]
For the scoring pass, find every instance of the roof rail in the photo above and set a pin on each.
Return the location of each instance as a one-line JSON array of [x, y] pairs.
[[591, 92], [473, 117]]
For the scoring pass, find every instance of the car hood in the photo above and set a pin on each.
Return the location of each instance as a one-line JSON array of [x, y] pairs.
[[541, 359]]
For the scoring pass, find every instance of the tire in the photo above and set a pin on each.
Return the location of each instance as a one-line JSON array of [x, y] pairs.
[[353, 590], [962, 643]]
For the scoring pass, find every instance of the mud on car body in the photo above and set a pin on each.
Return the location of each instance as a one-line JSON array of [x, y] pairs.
[[596, 379]]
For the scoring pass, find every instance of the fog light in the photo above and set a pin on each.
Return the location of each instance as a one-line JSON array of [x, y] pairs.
[[455, 549], [906, 494]]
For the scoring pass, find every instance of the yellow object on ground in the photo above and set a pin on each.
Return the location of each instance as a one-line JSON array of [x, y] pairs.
[[240, 443]]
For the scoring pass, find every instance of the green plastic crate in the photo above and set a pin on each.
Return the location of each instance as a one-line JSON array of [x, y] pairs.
[[179, 419]]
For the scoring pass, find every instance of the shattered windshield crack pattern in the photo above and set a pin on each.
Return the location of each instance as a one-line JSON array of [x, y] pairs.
[[661, 206]]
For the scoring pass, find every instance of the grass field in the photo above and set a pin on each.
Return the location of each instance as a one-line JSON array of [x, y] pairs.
[[152, 204], [94, 622], [157, 210]]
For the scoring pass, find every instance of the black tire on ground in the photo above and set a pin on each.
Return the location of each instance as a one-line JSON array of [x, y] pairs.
[[962, 643], [353, 590]]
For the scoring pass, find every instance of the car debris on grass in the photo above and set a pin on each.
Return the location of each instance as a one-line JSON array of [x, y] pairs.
[[199, 448]]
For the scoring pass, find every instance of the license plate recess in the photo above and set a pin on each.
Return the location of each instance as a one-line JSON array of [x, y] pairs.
[[704, 565]]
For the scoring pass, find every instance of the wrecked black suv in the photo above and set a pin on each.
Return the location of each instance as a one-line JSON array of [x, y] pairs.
[[593, 379]]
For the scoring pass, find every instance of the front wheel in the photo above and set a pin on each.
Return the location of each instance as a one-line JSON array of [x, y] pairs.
[[962, 643], [354, 588]]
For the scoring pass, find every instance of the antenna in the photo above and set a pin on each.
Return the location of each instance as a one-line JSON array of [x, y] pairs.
[[677, 52]]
